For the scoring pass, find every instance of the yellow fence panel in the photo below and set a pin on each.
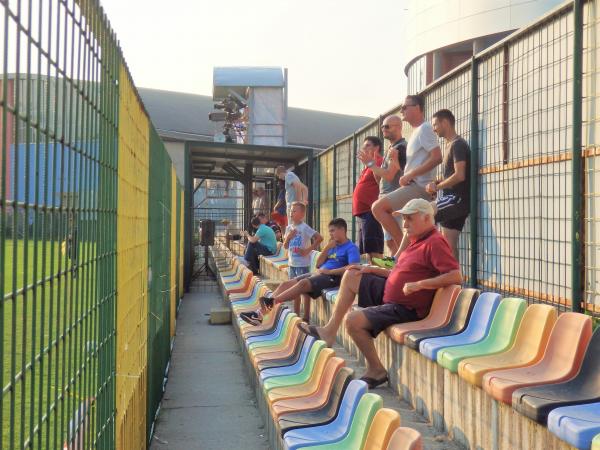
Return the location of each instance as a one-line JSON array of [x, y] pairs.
[[132, 270]]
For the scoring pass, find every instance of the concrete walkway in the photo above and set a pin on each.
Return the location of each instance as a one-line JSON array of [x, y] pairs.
[[208, 404]]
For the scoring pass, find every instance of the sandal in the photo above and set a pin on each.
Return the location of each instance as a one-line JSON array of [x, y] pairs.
[[375, 382]]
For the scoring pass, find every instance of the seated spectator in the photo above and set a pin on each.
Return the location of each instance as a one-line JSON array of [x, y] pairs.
[[300, 240], [262, 243], [272, 225], [423, 155], [336, 257], [454, 204], [365, 194], [402, 294]]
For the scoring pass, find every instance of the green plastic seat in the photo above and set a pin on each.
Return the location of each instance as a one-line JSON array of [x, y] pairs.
[[279, 339], [499, 339], [359, 427], [299, 378]]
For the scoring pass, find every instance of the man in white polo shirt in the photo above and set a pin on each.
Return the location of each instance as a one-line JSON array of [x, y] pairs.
[[423, 155]]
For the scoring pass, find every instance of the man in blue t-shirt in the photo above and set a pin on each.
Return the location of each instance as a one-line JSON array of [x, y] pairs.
[[338, 254], [263, 242]]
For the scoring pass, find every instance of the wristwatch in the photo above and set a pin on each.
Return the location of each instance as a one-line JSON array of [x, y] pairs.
[[370, 164]]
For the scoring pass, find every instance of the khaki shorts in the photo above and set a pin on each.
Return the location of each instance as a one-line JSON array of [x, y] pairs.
[[404, 194]]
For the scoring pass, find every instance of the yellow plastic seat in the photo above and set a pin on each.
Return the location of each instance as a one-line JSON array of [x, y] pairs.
[[385, 422], [528, 348]]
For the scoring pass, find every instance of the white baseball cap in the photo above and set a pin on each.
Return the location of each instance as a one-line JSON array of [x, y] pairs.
[[416, 205]]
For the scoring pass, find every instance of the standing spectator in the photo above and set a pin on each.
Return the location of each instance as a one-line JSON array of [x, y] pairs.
[[392, 167], [259, 201], [295, 190], [453, 205], [423, 154], [279, 213], [262, 243], [366, 192], [300, 240]]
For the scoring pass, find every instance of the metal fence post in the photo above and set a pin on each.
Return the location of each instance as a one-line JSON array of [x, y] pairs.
[[354, 156], [474, 168], [334, 195], [577, 259]]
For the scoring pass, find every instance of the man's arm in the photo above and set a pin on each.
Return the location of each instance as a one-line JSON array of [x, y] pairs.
[[443, 280], [434, 158], [288, 237], [459, 175], [254, 239], [316, 241]]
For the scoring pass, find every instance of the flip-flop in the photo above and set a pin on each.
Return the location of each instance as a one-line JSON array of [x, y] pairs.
[[374, 382], [311, 330]]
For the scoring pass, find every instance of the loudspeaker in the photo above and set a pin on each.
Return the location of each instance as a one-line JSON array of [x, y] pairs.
[[207, 232]]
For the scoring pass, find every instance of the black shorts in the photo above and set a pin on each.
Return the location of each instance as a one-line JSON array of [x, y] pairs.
[[380, 315], [319, 282], [370, 239], [452, 212]]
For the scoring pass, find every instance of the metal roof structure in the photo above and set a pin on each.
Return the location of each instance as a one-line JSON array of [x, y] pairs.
[[239, 78]]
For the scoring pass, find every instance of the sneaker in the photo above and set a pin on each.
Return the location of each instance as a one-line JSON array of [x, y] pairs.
[[254, 318], [266, 303], [387, 262]]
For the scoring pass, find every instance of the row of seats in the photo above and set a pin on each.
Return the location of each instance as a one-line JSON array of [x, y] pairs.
[[312, 397], [542, 364]]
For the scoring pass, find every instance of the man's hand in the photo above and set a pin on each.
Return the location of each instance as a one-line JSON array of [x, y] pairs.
[[322, 271], [303, 251], [410, 288], [364, 157], [405, 180], [331, 244], [431, 188]]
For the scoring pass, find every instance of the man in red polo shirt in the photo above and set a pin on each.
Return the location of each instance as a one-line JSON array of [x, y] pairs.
[[403, 294], [366, 192]]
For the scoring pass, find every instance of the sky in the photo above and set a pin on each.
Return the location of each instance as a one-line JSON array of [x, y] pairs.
[[342, 56]]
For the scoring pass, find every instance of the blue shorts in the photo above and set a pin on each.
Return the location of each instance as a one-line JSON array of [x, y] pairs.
[[294, 272]]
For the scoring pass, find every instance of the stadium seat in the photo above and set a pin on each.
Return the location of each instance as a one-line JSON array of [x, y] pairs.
[[310, 386], [315, 400], [562, 359], [280, 330], [297, 378], [596, 442], [268, 325], [438, 316], [536, 402], [500, 338], [362, 409], [362, 422], [528, 347], [291, 420], [476, 330], [260, 354], [285, 355], [385, 422], [465, 302], [274, 339], [405, 439], [577, 425]]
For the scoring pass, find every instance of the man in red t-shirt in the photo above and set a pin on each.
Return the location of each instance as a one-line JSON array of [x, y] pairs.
[[403, 294], [366, 192]]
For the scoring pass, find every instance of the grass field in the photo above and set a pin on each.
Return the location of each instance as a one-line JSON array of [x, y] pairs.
[[48, 320]]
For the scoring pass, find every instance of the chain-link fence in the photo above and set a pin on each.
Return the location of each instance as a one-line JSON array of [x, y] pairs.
[[533, 230], [89, 236]]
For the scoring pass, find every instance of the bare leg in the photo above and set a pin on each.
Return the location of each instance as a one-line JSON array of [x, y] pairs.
[[345, 299], [452, 238], [393, 246], [297, 306], [284, 286], [382, 210], [306, 306], [293, 291], [358, 327]]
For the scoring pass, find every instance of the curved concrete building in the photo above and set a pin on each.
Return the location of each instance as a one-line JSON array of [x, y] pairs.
[[442, 34]]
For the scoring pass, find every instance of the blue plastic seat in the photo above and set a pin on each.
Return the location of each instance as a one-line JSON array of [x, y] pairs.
[[294, 368], [577, 425], [331, 294], [334, 431], [477, 329]]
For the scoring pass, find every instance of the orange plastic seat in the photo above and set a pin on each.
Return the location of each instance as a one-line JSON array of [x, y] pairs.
[[246, 285], [282, 351], [439, 315], [385, 423], [405, 439], [304, 389], [314, 400], [253, 353], [561, 361], [527, 349]]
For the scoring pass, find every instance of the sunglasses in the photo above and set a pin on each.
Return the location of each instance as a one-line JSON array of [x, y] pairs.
[[403, 107]]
